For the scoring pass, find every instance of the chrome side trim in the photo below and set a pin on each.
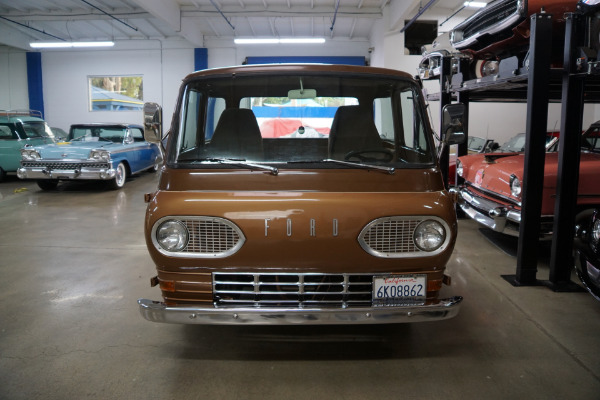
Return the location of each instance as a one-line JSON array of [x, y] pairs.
[[155, 311]]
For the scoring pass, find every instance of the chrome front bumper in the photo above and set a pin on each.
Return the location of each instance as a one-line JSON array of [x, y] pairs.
[[66, 174], [496, 216], [159, 312]]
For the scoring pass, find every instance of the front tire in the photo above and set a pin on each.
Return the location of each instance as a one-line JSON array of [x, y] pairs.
[[48, 184], [121, 176]]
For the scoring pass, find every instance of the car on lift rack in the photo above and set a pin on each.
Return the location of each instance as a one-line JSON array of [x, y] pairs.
[[491, 192], [586, 250], [18, 129], [98, 151], [501, 30]]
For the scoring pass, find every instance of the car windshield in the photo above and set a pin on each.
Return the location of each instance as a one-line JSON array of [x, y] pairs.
[[516, 144], [37, 129], [312, 119], [97, 133]]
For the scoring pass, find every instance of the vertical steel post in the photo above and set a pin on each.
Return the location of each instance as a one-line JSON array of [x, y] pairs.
[[533, 174], [561, 260], [445, 98]]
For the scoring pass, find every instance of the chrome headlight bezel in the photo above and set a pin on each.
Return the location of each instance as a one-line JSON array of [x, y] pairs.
[[515, 186], [377, 237], [30, 155], [459, 168], [99, 155], [595, 232], [429, 235]]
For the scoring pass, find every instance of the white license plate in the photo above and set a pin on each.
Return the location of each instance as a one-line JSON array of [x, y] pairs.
[[395, 290]]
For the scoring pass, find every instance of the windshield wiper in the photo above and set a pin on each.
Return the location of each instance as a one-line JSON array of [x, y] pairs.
[[243, 163], [387, 170]]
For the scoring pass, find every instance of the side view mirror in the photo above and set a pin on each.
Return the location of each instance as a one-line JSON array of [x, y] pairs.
[[153, 131], [453, 122]]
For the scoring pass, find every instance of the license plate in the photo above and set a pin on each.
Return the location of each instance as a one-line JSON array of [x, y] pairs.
[[397, 290]]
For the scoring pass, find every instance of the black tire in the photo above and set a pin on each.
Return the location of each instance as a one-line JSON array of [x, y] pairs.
[[48, 184], [2, 174], [121, 176]]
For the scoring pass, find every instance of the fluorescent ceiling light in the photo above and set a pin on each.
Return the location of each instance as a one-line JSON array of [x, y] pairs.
[[475, 4], [285, 41], [58, 45]]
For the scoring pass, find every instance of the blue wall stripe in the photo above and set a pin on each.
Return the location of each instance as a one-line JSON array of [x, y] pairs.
[[200, 58], [294, 112], [310, 60], [34, 81]]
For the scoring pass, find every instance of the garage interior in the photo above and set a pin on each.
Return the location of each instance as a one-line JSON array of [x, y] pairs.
[[74, 260]]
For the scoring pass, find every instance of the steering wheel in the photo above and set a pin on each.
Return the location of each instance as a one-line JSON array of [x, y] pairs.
[[388, 155]]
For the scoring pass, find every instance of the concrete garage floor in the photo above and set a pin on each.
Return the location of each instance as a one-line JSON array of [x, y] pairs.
[[73, 263]]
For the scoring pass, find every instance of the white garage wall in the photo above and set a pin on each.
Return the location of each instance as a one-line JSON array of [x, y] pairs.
[[65, 76], [498, 121], [13, 79]]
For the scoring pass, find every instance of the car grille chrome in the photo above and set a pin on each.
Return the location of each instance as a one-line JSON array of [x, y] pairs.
[[64, 165], [292, 290], [393, 237], [208, 237], [212, 236]]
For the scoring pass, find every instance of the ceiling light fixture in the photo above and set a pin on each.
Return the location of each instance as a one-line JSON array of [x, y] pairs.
[[62, 45], [475, 4], [284, 41]]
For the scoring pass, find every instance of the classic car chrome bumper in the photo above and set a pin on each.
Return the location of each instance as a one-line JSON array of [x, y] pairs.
[[496, 216], [159, 312], [82, 172]]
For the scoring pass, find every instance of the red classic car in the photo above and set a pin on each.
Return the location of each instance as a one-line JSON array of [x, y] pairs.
[[491, 193]]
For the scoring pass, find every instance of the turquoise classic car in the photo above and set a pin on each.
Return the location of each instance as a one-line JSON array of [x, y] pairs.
[[106, 152], [18, 129]]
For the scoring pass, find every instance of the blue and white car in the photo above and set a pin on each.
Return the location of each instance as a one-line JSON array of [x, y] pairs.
[[107, 152]]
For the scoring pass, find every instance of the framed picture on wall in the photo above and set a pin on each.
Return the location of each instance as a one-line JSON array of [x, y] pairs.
[[116, 93]]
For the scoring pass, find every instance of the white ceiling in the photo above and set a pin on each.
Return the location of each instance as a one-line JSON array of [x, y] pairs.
[[23, 21]]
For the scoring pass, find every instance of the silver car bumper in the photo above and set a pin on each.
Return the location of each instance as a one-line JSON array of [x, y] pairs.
[[159, 312], [66, 174], [496, 216]]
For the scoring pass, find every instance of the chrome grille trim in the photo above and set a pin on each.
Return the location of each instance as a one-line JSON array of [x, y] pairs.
[[392, 237], [62, 165], [209, 237], [292, 290]]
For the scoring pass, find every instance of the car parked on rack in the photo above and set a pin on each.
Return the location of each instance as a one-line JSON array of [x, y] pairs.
[[18, 129], [99, 151], [491, 193], [351, 226], [501, 30], [586, 250]]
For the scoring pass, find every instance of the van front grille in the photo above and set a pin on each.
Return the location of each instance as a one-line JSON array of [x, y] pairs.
[[292, 290]]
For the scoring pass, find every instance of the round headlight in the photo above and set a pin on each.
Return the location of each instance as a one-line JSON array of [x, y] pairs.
[[172, 235], [515, 186], [596, 231], [99, 155], [429, 235], [459, 168]]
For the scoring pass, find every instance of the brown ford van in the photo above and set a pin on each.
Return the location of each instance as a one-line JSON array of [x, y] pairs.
[[300, 194]]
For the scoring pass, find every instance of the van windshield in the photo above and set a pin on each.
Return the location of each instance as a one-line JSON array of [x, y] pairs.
[[308, 119]]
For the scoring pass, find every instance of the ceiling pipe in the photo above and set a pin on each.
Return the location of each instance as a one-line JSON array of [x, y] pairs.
[[33, 29], [112, 16], [337, 5], [421, 11], [222, 15]]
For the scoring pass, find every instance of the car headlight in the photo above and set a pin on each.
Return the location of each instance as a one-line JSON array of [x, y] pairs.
[[30, 155], [172, 235], [459, 168], [596, 232], [515, 186], [99, 155], [429, 235]]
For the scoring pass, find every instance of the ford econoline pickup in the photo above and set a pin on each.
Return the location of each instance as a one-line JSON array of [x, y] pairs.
[[300, 194]]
